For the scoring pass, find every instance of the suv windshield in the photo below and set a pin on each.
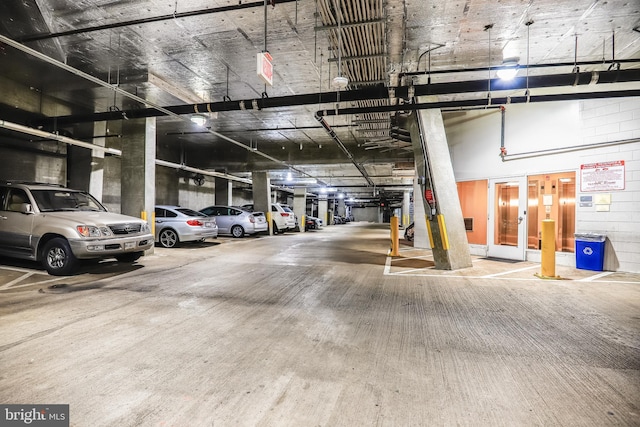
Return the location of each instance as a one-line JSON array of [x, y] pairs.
[[64, 200]]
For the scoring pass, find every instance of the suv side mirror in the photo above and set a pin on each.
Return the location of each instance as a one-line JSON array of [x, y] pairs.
[[26, 208]]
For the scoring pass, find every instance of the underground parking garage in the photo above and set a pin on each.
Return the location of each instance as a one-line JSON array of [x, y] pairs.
[[514, 302]]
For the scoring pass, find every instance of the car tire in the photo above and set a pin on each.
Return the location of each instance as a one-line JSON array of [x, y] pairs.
[[237, 231], [275, 228], [57, 257], [129, 257], [169, 238]]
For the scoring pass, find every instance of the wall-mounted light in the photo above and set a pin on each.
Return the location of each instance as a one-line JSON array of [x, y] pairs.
[[198, 119], [508, 70]]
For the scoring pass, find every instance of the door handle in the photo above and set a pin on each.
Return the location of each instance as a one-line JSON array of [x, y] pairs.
[[520, 219]]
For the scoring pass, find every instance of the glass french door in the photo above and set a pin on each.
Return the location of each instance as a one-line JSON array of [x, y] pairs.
[[507, 218]]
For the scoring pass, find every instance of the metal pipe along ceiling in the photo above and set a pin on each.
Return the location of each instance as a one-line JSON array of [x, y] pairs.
[[370, 93], [159, 109]]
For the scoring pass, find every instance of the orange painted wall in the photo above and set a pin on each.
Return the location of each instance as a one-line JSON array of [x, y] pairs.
[[473, 200]]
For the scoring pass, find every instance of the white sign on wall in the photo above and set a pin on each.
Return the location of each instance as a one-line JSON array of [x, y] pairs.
[[606, 176]]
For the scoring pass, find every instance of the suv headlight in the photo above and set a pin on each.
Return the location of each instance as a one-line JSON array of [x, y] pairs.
[[144, 228], [91, 231]]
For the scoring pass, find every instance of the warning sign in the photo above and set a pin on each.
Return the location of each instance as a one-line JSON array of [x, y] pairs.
[[606, 176]]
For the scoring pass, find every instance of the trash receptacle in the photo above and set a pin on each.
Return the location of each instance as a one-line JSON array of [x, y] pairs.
[[590, 251]]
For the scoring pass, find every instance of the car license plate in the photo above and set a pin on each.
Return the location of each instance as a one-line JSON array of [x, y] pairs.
[[129, 245]]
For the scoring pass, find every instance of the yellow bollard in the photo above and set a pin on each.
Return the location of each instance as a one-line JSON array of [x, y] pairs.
[[548, 255], [431, 244], [395, 237]]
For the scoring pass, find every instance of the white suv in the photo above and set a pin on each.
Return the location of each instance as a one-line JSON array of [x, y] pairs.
[[282, 218], [57, 226]]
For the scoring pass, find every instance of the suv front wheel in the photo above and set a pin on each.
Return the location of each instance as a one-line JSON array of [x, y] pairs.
[[57, 257]]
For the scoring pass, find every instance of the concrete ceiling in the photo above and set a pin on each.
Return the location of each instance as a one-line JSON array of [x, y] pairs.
[[178, 52]]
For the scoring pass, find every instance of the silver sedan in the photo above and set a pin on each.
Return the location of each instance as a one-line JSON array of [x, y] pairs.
[[175, 224], [235, 221]]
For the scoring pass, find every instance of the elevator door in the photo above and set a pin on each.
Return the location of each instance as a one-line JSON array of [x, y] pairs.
[[507, 218]]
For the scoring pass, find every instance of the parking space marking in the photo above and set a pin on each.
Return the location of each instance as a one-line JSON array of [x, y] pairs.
[[595, 276], [531, 267], [17, 280], [15, 283]]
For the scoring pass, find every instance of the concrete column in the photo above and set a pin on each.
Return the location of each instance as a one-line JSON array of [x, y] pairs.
[[300, 205], [229, 193], [450, 246], [96, 179], [406, 208], [223, 191], [323, 209], [341, 207], [420, 234], [139, 168], [262, 195]]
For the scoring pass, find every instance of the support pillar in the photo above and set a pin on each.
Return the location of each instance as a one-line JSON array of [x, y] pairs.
[[323, 209], [139, 169], [439, 193], [300, 206], [420, 234], [223, 191], [406, 208], [262, 196], [342, 210], [96, 179]]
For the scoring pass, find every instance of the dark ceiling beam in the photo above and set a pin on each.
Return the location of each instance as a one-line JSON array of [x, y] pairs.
[[221, 9], [479, 103], [367, 93]]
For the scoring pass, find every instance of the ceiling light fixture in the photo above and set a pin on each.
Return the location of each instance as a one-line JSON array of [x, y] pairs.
[[198, 119], [508, 70], [339, 82]]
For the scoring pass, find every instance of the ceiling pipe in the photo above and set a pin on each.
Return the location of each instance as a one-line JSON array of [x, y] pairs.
[[115, 152], [338, 141], [175, 15], [520, 67], [481, 102], [55, 137], [373, 92], [160, 109]]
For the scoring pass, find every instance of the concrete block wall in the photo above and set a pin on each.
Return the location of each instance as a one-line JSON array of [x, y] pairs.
[[614, 120], [474, 142], [34, 166]]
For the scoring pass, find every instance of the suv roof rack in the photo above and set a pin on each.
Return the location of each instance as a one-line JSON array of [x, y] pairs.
[[11, 181]]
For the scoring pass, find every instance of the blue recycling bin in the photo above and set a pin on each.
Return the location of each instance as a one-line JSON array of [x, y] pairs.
[[590, 251]]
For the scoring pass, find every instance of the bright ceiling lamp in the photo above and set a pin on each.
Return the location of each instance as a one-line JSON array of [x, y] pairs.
[[508, 70], [198, 119], [340, 82]]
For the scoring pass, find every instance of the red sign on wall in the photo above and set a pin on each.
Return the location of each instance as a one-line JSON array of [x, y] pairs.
[[428, 195], [605, 176], [265, 67]]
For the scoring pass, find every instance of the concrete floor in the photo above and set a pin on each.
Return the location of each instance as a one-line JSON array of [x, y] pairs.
[[321, 329]]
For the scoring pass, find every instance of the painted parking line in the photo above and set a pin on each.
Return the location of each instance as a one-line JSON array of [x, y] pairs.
[[531, 267], [595, 277], [425, 272], [15, 283]]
